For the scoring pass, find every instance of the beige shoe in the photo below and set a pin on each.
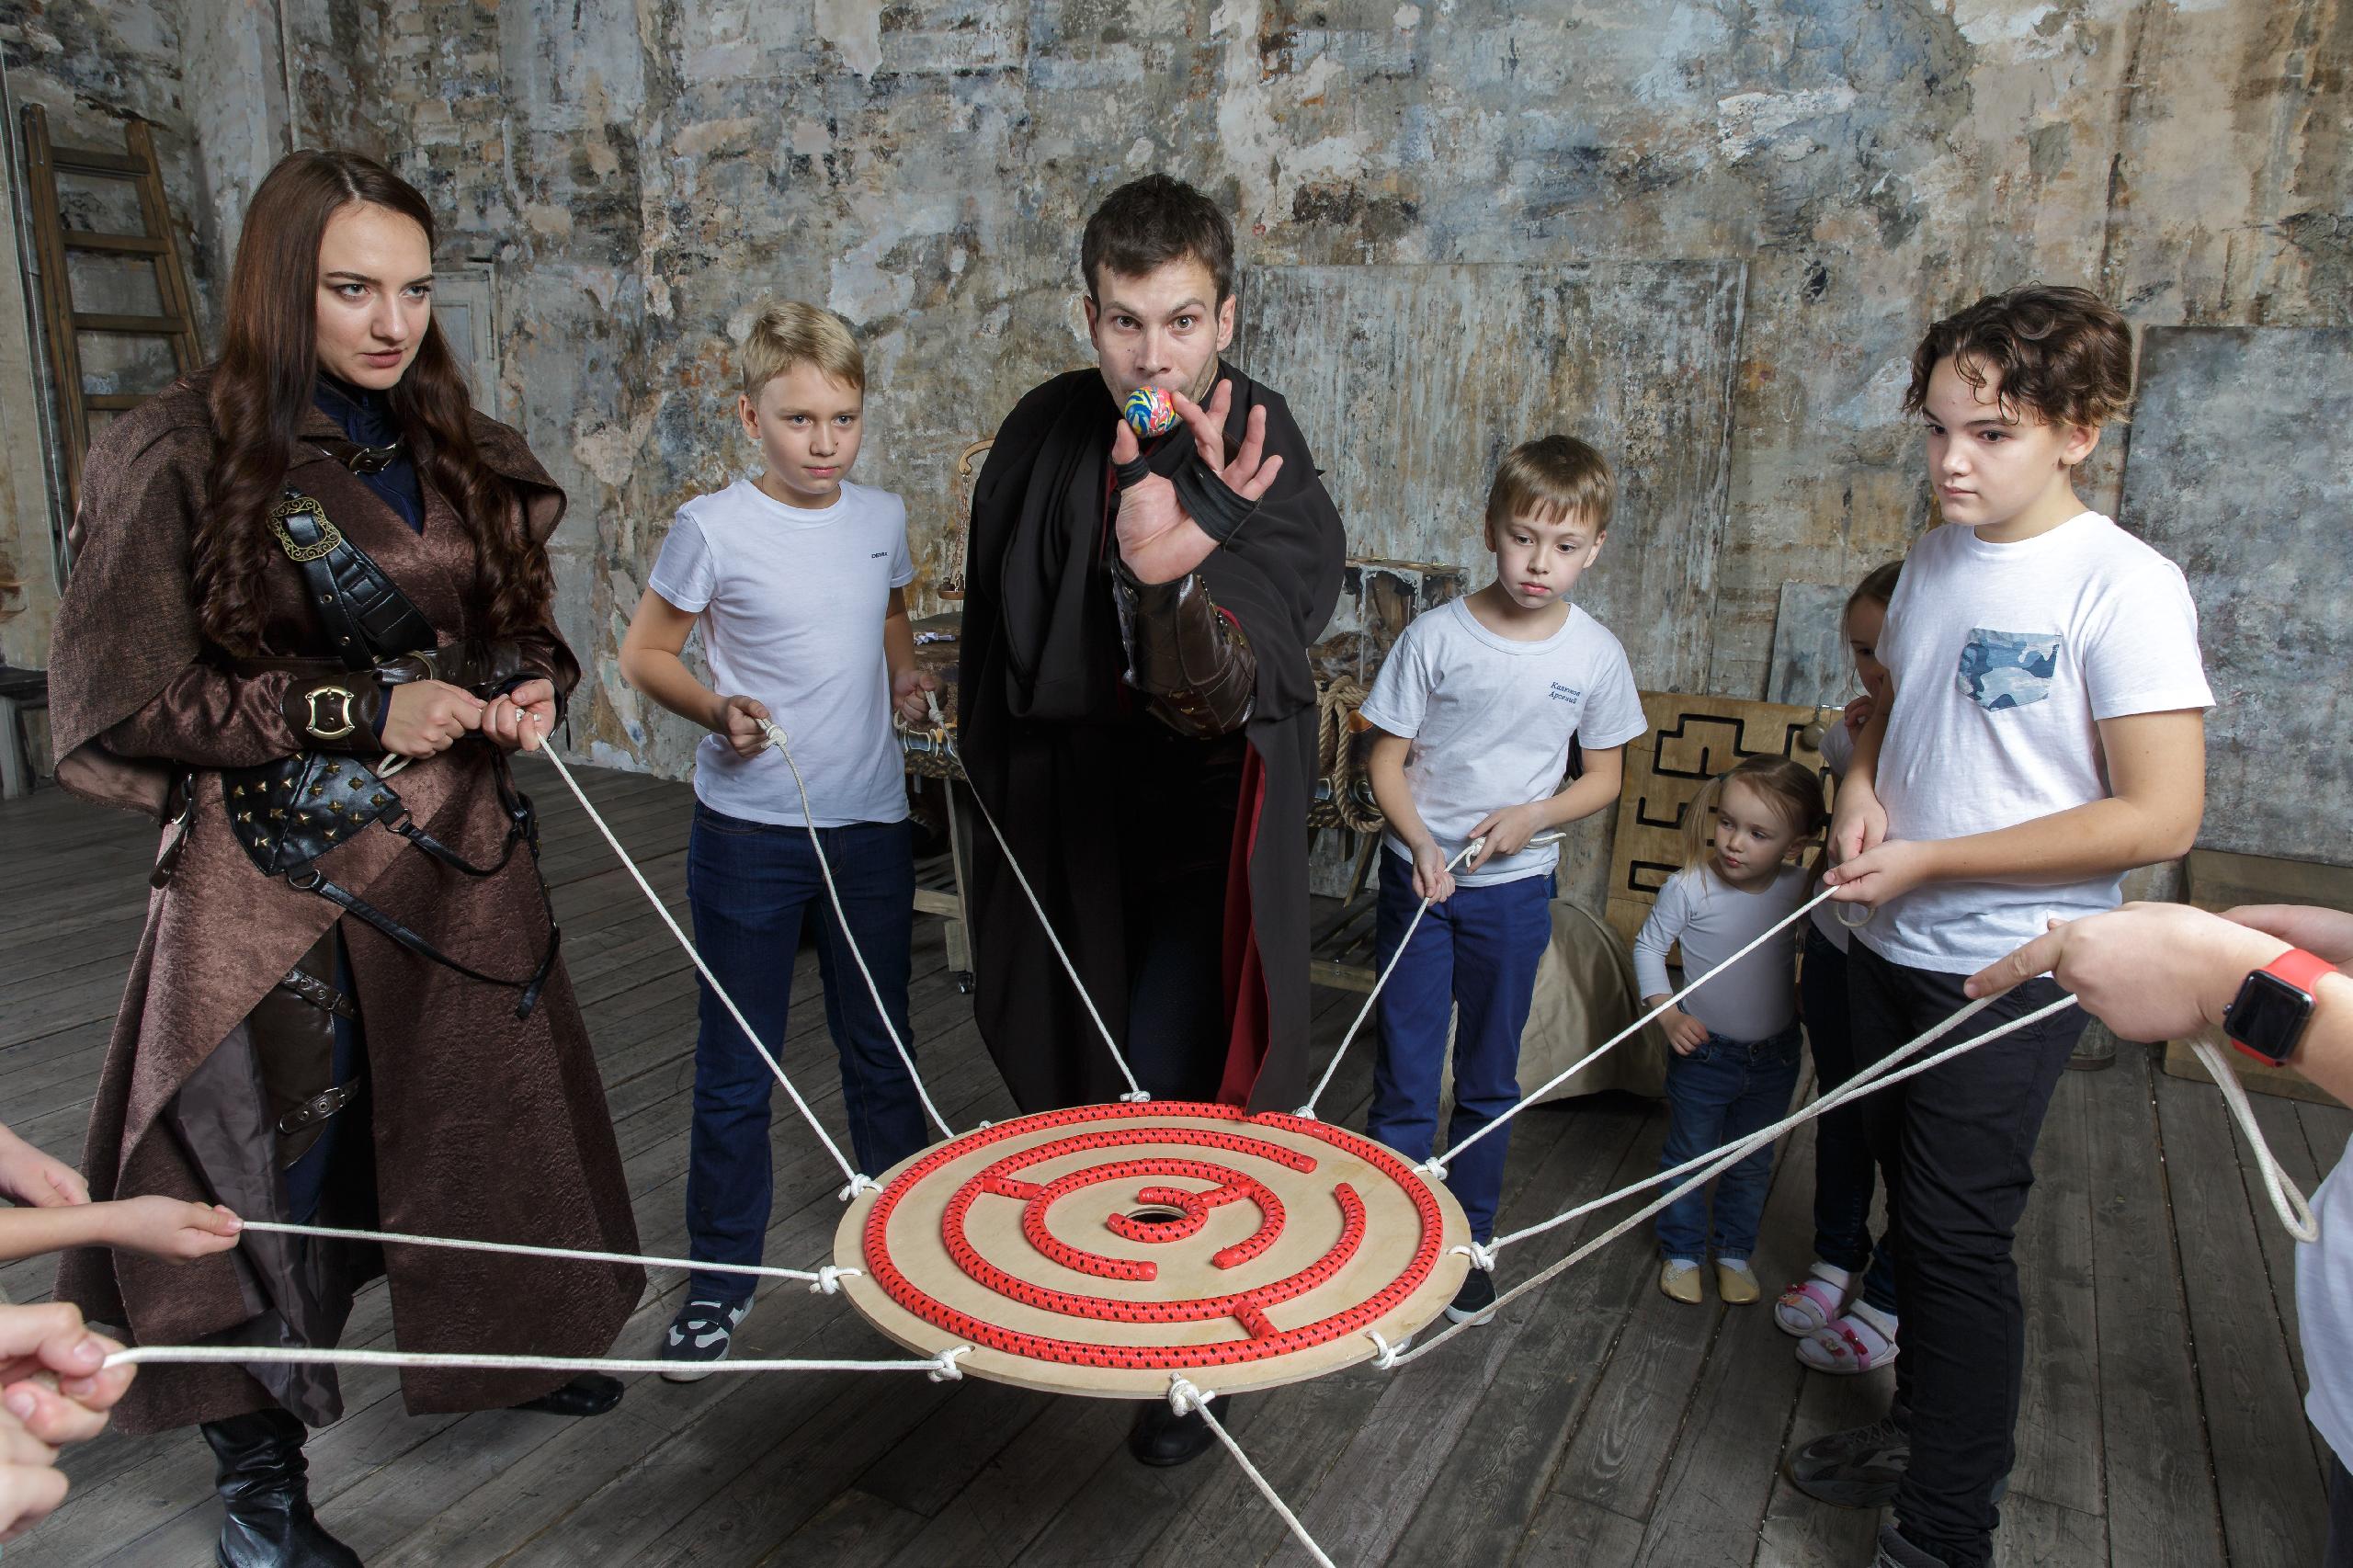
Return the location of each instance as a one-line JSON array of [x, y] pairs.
[[1736, 1283], [1680, 1281]]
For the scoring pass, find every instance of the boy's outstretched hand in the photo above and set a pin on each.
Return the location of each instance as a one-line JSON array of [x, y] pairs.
[[907, 689], [1158, 540], [736, 721], [168, 1227]]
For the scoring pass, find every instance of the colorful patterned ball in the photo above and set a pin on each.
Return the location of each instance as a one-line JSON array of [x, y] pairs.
[[1152, 411]]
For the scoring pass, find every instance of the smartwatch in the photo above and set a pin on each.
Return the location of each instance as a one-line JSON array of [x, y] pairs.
[[2274, 1003]]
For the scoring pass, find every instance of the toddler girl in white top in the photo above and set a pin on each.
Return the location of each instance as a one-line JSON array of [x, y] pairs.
[[1734, 1061]]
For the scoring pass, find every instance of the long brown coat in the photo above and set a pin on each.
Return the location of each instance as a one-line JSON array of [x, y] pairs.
[[483, 1126]]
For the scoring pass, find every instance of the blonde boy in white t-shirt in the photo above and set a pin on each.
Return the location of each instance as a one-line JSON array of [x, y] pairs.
[[795, 580], [2046, 734]]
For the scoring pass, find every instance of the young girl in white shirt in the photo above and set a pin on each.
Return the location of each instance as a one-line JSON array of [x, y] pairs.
[[1734, 1059]]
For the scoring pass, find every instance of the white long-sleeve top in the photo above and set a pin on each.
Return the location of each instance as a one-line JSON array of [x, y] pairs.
[[1713, 920]]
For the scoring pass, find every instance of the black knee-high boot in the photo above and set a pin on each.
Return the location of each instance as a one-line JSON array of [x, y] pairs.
[[261, 1475]]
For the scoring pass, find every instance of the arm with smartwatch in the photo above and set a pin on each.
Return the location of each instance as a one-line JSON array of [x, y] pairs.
[[2271, 978]]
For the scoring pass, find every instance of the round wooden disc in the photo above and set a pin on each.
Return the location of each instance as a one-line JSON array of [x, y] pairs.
[[1096, 1251]]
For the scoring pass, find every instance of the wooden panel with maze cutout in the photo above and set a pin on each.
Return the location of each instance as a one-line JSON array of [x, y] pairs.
[[1690, 740]]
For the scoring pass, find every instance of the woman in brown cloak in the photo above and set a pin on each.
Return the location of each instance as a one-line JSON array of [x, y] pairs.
[[312, 559]]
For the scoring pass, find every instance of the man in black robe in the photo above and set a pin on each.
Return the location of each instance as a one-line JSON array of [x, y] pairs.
[[1137, 708]]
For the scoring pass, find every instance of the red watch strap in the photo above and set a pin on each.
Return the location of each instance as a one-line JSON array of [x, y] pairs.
[[2301, 970]]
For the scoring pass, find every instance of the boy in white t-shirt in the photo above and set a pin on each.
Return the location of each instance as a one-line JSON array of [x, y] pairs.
[[796, 580], [1475, 706], [2046, 733]]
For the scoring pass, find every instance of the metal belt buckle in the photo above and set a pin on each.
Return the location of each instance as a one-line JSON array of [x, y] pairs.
[[314, 723], [330, 536]]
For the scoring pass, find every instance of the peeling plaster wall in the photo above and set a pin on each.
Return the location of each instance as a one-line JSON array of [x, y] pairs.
[[639, 172], [644, 170]]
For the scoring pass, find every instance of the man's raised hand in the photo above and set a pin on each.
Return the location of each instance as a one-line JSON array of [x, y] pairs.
[[1158, 540], [1251, 474]]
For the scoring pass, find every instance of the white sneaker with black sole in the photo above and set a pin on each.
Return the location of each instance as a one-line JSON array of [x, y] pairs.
[[699, 1338]]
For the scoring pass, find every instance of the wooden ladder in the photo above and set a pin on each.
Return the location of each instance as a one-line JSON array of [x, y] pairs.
[[62, 325]]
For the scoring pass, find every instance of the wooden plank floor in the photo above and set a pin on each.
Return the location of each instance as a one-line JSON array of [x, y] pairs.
[[1595, 1423]]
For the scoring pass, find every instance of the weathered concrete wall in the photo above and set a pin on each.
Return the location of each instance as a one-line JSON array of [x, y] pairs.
[[641, 171], [644, 171]]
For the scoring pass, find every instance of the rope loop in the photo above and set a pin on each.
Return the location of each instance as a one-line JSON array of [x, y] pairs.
[[1483, 1254], [1185, 1398], [1306, 1113], [1134, 1097], [857, 1184], [1433, 1168], [829, 1279], [1385, 1354], [944, 1367]]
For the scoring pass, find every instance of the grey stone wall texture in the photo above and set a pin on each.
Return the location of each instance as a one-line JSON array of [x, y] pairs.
[[639, 172]]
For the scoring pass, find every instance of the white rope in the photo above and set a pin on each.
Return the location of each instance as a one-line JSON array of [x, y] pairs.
[[1876, 1076], [841, 917], [941, 1367], [825, 1280], [1308, 1111], [703, 969], [1135, 1090], [1437, 1166], [1187, 1399], [2287, 1198]]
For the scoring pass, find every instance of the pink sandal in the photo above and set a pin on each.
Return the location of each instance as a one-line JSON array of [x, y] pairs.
[[1809, 1306], [1848, 1346]]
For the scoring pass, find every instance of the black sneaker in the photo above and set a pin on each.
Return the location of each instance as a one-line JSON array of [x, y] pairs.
[[700, 1336], [1475, 1303], [1859, 1468], [1894, 1551]]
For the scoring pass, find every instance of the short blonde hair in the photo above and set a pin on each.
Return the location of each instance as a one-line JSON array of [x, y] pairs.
[[1557, 475], [789, 332]]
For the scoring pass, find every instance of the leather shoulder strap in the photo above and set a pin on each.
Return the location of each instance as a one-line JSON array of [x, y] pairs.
[[364, 614]]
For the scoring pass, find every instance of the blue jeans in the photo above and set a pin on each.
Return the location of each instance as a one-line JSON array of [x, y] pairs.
[[1719, 1093], [749, 884], [1478, 952], [1844, 1170]]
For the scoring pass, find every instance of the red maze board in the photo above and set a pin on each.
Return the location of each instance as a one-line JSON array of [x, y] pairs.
[[1100, 1250]]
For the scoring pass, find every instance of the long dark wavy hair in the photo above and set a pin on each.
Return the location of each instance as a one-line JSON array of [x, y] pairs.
[[260, 391]]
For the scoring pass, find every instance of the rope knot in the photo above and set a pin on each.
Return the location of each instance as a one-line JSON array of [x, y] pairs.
[[1185, 1399], [829, 1279], [1306, 1113], [859, 1184], [1435, 1169], [1134, 1097], [1386, 1354], [1482, 1254], [944, 1367]]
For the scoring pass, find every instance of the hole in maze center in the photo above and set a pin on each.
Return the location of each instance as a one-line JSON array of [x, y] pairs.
[[1156, 1214]]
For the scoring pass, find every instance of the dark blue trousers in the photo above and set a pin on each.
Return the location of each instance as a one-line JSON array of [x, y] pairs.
[[749, 885], [1719, 1093], [1477, 952]]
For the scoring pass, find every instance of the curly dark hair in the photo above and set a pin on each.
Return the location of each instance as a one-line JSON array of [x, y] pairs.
[[1149, 222], [2061, 353], [259, 389]]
